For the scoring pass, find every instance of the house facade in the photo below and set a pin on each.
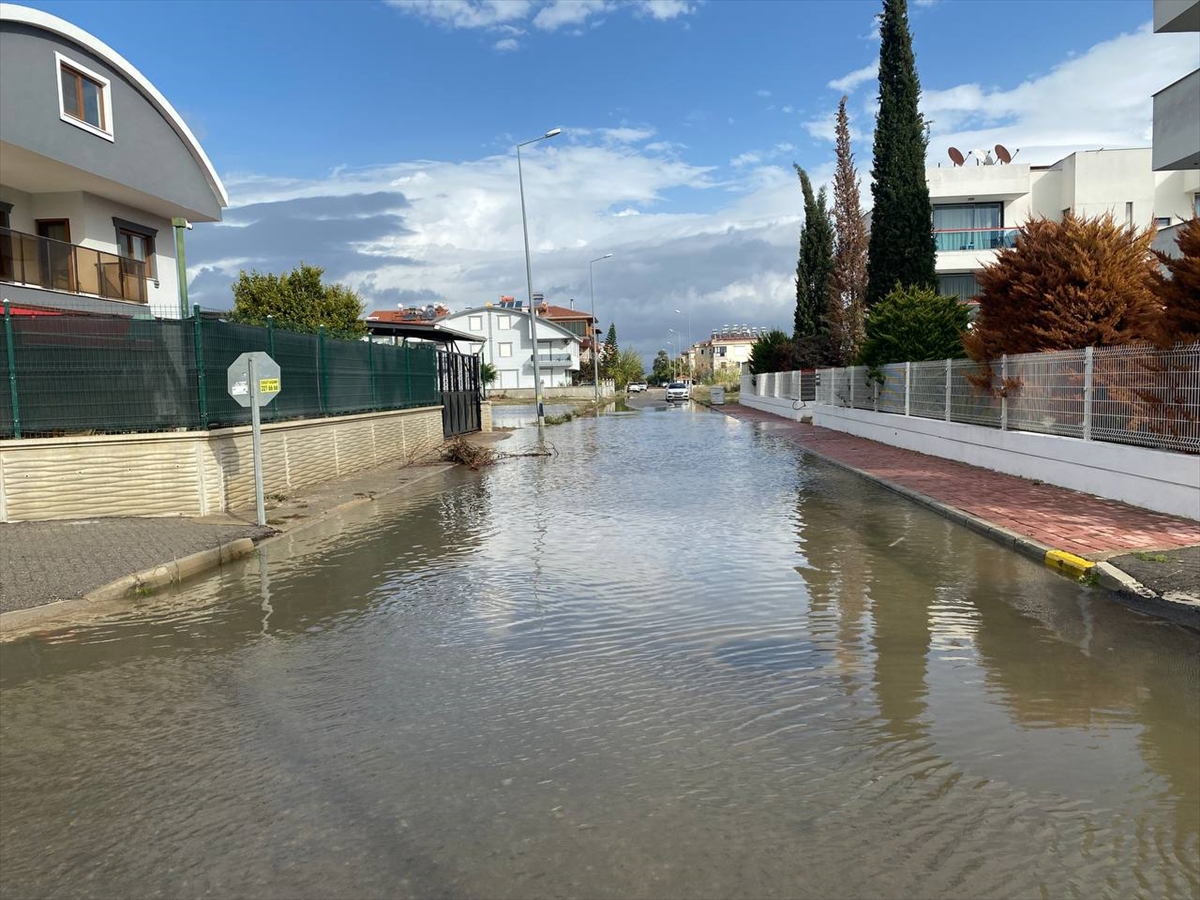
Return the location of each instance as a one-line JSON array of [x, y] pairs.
[[727, 348], [978, 207], [501, 335], [95, 164]]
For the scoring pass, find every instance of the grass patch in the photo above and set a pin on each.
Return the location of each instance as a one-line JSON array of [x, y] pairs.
[[1152, 557], [561, 418]]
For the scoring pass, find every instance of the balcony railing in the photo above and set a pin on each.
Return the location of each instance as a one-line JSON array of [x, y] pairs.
[[59, 266], [555, 359], [974, 238]]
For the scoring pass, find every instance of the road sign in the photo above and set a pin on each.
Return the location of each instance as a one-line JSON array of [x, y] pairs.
[[266, 371]]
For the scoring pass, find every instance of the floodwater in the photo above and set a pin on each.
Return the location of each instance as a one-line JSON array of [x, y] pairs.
[[679, 659]]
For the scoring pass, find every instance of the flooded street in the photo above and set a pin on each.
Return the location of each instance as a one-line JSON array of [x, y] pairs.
[[678, 659]]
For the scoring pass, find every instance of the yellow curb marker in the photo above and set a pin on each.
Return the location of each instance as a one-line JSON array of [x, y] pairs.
[[1069, 563]]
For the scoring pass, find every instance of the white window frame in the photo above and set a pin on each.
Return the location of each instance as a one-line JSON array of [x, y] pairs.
[[105, 96], [505, 349], [475, 323], [504, 322]]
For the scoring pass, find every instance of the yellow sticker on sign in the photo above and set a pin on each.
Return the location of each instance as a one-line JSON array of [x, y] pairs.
[[268, 385]]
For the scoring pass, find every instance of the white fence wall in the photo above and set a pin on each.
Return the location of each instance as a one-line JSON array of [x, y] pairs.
[[1153, 479]]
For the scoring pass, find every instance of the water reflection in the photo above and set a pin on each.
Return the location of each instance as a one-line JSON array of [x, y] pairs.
[[678, 659]]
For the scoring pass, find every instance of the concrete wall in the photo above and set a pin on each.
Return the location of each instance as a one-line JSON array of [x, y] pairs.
[[1152, 479], [485, 416], [198, 473], [1177, 125]]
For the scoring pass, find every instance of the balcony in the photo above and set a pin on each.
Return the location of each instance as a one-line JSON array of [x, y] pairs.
[[58, 266], [974, 239], [554, 359]]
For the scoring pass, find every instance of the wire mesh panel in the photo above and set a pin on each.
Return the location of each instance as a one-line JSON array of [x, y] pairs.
[[927, 389], [348, 380], [99, 374], [1147, 397], [1046, 392], [298, 356], [806, 381], [862, 388], [220, 344], [969, 403], [891, 389]]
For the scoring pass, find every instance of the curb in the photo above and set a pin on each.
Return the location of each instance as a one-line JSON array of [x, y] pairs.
[[1126, 589], [16, 621]]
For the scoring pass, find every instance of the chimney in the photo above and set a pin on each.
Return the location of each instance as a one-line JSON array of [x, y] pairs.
[[572, 303]]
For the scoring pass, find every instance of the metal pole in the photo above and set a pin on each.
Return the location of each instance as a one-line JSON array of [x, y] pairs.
[[201, 379], [595, 361], [322, 384], [180, 226], [1087, 393], [256, 442], [12, 370], [371, 369], [537, 375], [908, 388], [949, 369], [1003, 393]]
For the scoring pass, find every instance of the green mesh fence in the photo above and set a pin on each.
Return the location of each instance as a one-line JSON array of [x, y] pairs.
[[89, 374]]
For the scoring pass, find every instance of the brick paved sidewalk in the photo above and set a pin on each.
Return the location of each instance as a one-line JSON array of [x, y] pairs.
[[1082, 524]]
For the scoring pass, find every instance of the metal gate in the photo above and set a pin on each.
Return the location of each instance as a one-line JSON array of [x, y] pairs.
[[458, 379]]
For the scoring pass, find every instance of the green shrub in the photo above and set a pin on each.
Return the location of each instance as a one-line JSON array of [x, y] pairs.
[[912, 324]]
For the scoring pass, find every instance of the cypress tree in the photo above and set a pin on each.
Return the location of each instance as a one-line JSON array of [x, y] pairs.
[[902, 248], [814, 271], [847, 302], [608, 357]]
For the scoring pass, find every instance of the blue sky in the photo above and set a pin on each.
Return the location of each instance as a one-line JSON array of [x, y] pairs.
[[376, 138]]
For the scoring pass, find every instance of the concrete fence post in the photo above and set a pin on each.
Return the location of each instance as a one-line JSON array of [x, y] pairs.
[[1088, 361], [1003, 393], [949, 386], [908, 389]]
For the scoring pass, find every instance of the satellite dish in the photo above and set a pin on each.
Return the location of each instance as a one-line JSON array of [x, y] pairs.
[[1003, 155], [956, 156]]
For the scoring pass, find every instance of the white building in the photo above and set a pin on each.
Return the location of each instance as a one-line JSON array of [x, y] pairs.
[[728, 348], [977, 208], [1177, 106], [503, 333], [95, 164]]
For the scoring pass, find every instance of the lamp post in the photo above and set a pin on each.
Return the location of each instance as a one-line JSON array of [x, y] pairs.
[[678, 346], [595, 349], [672, 345], [689, 340], [537, 375]]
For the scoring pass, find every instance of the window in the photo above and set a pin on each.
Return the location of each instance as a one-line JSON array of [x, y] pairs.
[[83, 97], [506, 349], [962, 285], [968, 226], [1162, 221], [504, 321], [1196, 206], [721, 351], [136, 241], [475, 323], [1129, 213]]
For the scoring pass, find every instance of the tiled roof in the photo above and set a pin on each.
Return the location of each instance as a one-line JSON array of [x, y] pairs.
[[401, 316]]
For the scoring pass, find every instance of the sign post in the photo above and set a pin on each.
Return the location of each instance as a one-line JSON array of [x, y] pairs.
[[254, 381]]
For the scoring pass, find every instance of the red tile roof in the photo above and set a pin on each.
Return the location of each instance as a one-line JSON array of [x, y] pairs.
[[401, 316]]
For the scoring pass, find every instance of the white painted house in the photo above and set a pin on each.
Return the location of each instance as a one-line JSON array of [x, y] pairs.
[[977, 208], [95, 164], [503, 332]]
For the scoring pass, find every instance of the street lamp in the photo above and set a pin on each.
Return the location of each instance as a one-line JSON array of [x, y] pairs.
[[595, 350], [678, 342], [689, 339], [537, 375]]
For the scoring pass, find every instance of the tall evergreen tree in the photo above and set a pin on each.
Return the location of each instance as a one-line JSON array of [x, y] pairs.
[[902, 248], [608, 357], [847, 310], [814, 270]]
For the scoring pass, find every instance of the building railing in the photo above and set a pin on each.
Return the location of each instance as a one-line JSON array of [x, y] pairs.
[[557, 359], [974, 238], [58, 266], [1133, 394]]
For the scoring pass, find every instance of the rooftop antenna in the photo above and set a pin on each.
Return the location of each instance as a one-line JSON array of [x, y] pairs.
[[1003, 155], [987, 158], [956, 156]]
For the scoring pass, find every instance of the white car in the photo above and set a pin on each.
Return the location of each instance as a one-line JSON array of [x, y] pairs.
[[637, 387], [677, 390]]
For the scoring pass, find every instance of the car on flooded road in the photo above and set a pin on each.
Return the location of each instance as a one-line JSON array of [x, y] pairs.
[[676, 390]]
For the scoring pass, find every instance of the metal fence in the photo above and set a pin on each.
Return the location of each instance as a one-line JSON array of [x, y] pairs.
[[67, 373], [1130, 395]]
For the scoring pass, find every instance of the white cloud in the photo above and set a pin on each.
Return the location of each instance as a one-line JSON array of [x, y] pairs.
[[567, 12], [761, 93], [788, 109], [506, 45], [849, 82], [662, 10], [546, 15], [745, 159]]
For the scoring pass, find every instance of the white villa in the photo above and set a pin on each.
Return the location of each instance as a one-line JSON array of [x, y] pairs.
[[503, 332]]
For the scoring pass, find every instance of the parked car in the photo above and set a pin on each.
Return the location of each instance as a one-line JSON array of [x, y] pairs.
[[637, 387], [677, 390]]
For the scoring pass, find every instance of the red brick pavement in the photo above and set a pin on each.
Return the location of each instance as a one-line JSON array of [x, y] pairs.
[[1067, 520]]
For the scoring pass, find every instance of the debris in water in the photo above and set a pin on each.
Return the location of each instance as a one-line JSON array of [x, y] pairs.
[[476, 456]]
